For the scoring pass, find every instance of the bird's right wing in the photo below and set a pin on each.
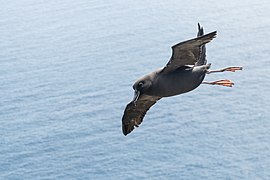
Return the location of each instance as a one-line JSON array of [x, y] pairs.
[[187, 52], [135, 112]]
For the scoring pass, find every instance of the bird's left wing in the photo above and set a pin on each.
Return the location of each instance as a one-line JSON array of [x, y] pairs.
[[135, 112], [187, 52]]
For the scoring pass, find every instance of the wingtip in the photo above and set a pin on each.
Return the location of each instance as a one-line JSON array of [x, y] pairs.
[[200, 28], [126, 129], [123, 131], [213, 34]]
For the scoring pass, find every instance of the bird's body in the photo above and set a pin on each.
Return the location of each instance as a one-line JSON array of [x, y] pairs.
[[175, 82], [184, 72], [181, 80]]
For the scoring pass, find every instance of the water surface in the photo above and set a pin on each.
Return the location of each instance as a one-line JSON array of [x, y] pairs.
[[67, 68]]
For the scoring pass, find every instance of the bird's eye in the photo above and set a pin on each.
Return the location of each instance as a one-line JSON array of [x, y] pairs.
[[140, 84]]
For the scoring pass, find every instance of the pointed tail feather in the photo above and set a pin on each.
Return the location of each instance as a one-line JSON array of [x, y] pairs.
[[202, 60]]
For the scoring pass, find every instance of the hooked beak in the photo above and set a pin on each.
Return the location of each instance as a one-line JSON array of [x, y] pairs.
[[136, 96]]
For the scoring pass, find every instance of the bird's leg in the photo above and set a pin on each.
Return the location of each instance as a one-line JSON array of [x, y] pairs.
[[232, 69], [224, 82]]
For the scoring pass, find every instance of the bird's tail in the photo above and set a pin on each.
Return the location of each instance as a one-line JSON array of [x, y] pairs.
[[200, 30], [202, 60]]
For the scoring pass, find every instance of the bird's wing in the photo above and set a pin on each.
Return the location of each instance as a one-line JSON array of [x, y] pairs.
[[134, 113], [187, 52]]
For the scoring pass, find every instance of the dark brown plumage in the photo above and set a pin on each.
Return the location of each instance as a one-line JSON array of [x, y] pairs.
[[184, 72], [134, 113]]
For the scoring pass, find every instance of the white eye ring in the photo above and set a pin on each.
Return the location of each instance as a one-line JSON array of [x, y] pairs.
[[140, 84]]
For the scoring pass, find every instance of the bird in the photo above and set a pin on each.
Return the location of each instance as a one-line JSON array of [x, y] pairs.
[[185, 71]]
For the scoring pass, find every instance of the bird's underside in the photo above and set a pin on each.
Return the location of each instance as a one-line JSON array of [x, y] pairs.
[[186, 56]]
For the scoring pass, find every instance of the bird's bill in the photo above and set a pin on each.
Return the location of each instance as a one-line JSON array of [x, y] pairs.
[[136, 96]]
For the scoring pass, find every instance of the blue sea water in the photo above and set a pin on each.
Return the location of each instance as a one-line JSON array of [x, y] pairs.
[[66, 71]]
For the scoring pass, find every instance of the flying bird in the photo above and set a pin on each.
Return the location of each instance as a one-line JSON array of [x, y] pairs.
[[184, 72]]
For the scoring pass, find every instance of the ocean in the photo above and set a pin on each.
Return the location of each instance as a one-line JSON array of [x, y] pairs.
[[66, 74]]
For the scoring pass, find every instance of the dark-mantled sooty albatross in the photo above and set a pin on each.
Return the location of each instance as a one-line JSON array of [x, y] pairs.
[[184, 72]]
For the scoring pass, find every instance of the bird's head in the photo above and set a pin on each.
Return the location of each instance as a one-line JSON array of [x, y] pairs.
[[141, 86]]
